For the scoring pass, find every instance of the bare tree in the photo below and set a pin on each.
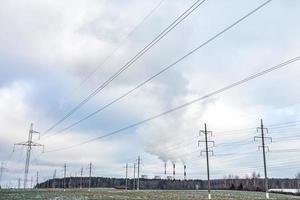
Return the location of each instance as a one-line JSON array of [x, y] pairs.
[[255, 176], [225, 182], [247, 181], [298, 182]]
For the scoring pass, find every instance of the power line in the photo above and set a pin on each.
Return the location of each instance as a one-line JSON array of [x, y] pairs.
[[221, 90], [125, 39], [178, 146], [138, 173], [90, 176], [190, 140], [86, 78], [165, 69], [285, 124], [222, 145], [186, 141], [160, 36], [64, 180]]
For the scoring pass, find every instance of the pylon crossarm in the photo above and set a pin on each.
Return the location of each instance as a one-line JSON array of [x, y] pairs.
[[266, 147], [36, 144], [21, 143], [35, 132], [258, 129], [209, 151], [203, 132], [257, 137], [200, 141]]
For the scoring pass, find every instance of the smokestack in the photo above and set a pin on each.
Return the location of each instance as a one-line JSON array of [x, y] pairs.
[[174, 170], [165, 168], [184, 173]]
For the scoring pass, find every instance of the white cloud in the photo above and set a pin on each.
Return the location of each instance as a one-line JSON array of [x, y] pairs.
[[69, 39], [14, 112]]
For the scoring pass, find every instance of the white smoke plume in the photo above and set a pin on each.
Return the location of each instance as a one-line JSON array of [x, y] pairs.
[[173, 138]]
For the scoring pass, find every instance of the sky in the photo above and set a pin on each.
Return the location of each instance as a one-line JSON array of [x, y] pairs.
[[53, 54]]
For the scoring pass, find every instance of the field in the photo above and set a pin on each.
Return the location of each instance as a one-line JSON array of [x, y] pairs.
[[108, 194]]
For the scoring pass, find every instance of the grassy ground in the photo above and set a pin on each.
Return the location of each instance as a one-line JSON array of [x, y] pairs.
[[109, 194]]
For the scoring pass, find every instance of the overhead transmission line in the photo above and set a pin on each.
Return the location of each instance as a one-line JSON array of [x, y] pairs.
[[221, 90], [117, 48], [160, 36], [166, 68], [109, 56], [178, 145], [189, 159], [190, 140]]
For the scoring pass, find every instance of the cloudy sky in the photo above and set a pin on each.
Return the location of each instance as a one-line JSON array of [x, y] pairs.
[[53, 54]]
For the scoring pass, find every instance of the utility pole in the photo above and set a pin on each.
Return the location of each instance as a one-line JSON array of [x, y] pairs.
[[126, 176], [54, 177], [31, 182], [81, 173], [207, 151], [134, 166], [29, 145], [37, 179], [263, 146], [90, 179], [70, 180], [1, 172], [19, 183], [65, 171], [174, 171], [138, 173]]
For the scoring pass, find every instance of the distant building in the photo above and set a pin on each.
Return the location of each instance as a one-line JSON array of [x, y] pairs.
[[144, 176], [157, 177]]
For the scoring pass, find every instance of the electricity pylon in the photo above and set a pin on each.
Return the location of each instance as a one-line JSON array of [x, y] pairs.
[[90, 176], [127, 167], [126, 176], [81, 173], [54, 177], [2, 168], [65, 173], [206, 151], [37, 180], [29, 145], [19, 183], [134, 184], [138, 173], [263, 146]]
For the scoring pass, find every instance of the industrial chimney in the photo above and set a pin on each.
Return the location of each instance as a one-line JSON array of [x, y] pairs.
[[174, 170]]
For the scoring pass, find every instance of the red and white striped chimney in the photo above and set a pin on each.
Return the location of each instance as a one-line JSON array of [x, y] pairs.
[[174, 170]]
